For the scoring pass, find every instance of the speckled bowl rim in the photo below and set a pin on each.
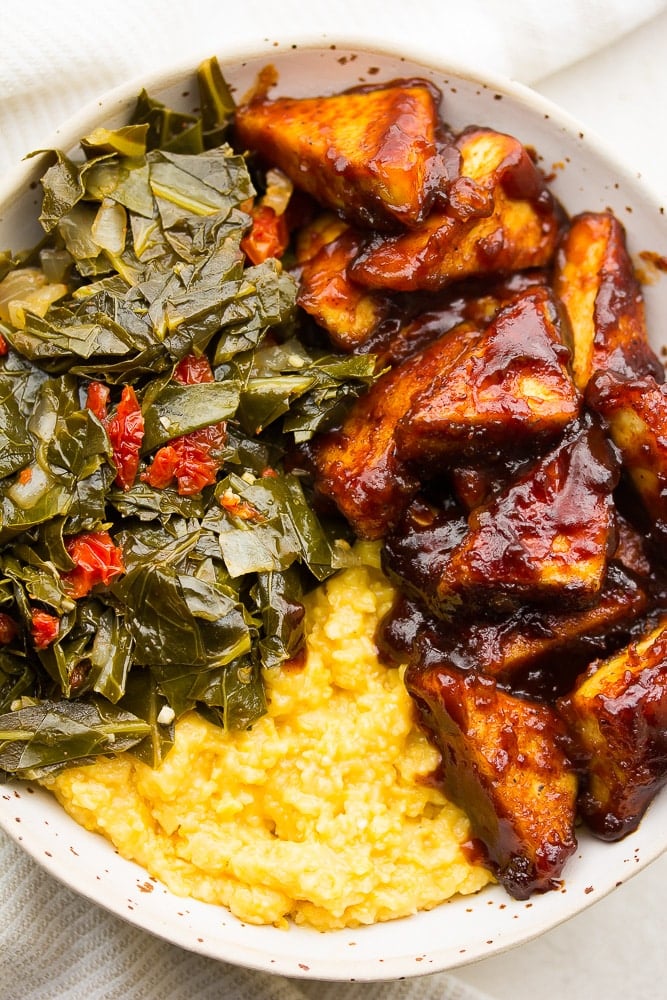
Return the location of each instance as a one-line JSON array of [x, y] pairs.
[[466, 929]]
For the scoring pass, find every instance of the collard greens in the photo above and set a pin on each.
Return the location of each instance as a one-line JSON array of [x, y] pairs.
[[144, 228]]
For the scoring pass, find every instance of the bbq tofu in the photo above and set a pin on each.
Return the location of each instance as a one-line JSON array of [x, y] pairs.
[[371, 155], [517, 394], [349, 313], [481, 391], [595, 280], [547, 537], [500, 217], [535, 651], [636, 411], [512, 386], [613, 362], [502, 764], [617, 717], [357, 466]]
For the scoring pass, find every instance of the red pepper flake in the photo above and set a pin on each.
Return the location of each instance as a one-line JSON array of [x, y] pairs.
[[8, 629], [44, 628], [25, 475], [268, 236], [234, 505], [97, 561]]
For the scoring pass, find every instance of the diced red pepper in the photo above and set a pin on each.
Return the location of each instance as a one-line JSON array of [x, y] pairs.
[[97, 399], [8, 628], [45, 628], [268, 236], [199, 458], [4, 346], [191, 370], [125, 428], [162, 469], [192, 460], [98, 561]]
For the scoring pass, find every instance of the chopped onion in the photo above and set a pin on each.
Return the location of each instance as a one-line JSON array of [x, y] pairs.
[[17, 285], [109, 227], [37, 302], [28, 490], [278, 191], [27, 290]]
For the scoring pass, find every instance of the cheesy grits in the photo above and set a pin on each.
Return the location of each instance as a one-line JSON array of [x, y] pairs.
[[322, 814]]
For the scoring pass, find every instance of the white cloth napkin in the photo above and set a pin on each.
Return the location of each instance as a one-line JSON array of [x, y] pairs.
[[54, 945], [56, 57]]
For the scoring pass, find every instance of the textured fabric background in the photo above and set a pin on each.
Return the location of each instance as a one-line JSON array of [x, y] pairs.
[[54, 945], [57, 56]]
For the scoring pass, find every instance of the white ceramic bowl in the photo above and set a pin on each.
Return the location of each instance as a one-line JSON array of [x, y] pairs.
[[467, 928]]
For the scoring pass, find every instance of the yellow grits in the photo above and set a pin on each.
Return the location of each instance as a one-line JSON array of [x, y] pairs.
[[322, 813]]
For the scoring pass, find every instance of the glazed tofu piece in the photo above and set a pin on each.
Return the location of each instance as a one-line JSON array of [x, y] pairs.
[[349, 313], [595, 280], [416, 554], [512, 387], [474, 483], [357, 466], [631, 550], [316, 234], [500, 217], [501, 763], [412, 327], [636, 412], [547, 537], [371, 155], [535, 651], [617, 718]]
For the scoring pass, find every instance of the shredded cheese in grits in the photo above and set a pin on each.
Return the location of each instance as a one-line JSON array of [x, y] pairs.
[[322, 814]]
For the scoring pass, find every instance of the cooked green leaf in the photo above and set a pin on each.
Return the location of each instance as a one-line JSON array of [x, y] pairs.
[[16, 448], [63, 188], [231, 696], [180, 409], [216, 102], [143, 699], [165, 125], [111, 656], [278, 597], [46, 736], [16, 678], [40, 578], [145, 229], [129, 140], [177, 619]]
